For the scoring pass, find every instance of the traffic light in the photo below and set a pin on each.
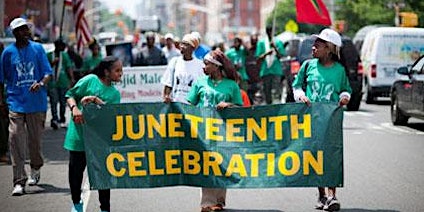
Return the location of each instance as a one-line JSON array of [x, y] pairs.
[[408, 19]]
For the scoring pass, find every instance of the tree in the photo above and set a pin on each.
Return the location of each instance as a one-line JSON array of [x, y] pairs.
[[359, 13], [355, 13]]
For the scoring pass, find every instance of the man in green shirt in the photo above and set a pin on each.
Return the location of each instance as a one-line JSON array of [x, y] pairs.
[[268, 51], [91, 62], [237, 54], [63, 79]]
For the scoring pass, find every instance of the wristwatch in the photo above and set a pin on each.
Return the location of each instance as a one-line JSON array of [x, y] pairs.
[[41, 83]]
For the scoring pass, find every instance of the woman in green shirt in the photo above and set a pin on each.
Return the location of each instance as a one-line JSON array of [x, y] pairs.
[[217, 89], [94, 88], [326, 81]]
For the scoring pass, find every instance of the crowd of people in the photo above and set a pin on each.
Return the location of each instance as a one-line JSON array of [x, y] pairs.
[[195, 74]]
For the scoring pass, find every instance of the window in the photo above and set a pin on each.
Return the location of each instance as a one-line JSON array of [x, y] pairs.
[[250, 5], [250, 22]]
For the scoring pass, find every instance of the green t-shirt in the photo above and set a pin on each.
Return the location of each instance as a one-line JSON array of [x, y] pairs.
[[62, 80], [238, 57], [89, 85], [275, 68], [91, 62], [324, 84], [206, 93]]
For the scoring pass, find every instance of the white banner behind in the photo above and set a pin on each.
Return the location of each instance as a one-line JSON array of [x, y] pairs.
[[141, 84]]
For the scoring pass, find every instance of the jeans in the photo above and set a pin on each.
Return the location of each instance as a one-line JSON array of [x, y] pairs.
[[77, 164], [57, 95]]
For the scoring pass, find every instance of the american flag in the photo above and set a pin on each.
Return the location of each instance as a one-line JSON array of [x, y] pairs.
[[68, 2], [82, 30]]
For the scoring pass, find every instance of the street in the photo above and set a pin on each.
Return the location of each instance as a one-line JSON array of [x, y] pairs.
[[383, 171]]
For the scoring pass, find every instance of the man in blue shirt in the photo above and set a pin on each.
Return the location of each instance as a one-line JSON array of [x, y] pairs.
[[25, 70]]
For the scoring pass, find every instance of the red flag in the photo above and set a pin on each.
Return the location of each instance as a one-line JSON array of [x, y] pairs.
[[82, 30], [312, 12]]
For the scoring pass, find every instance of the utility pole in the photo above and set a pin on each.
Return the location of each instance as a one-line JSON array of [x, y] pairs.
[[396, 6], [2, 18]]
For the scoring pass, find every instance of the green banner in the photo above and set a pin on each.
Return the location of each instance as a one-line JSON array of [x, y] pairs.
[[144, 145]]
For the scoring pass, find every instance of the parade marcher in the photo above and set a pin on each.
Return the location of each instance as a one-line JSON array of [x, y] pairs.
[[252, 69], [94, 88], [326, 81], [218, 89], [150, 55], [169, 49], [182, 72], [202, 49], [177, 42], [268, 51], [76, 59], [91, 62], [63, 79], [26, 70], [237, 54]]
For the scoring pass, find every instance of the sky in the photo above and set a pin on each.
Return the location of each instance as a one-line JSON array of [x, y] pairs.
[[128, 6]]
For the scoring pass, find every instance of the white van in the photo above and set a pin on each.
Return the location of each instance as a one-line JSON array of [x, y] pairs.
[[384, 50]]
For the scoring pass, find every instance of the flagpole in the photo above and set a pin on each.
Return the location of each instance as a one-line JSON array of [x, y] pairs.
[[273, 20], [61, 20]]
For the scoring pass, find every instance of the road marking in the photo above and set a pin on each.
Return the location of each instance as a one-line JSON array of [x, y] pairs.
[[360, 113], [392, 127]]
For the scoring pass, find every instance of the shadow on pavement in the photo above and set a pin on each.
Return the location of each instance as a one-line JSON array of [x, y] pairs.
[[366, 210], [46, 188], [416, 126]]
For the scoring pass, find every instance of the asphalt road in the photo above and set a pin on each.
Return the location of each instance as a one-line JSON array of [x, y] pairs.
[[382, 165]]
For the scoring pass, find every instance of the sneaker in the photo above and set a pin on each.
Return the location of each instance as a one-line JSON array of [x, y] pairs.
[[54, 125], [63, 125], [34, 178], [77, 207], [18, 190], [332, 204], [321, 203]]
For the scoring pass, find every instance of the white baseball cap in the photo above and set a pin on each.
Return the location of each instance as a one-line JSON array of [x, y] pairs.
[[18, 22], [169, 35], [329, 35]]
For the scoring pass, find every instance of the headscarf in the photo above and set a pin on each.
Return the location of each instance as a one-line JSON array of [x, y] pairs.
[[191, 40], [218, 58]]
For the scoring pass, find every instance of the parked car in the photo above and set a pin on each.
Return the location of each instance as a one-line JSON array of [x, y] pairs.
[[384, 50], [299, 49], [359, 37], [407, 93]]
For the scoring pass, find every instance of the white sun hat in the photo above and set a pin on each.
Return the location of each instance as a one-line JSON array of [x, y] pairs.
[[331, 36], [18, 22]]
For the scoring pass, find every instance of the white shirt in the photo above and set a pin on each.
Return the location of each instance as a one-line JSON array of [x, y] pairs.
[[182, 77]]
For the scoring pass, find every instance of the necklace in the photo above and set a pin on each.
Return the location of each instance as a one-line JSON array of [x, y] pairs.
[[216, 82]]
